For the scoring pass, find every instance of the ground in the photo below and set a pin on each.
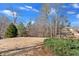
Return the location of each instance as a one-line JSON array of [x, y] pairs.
[[21, 42]]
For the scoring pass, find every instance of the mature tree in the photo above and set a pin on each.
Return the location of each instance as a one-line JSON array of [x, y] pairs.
[[14, 13], [64, 23], [42, 21], [4, 22], [48, 24], [58, 21]]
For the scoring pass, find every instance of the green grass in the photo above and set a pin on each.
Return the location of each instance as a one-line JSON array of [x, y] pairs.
[[63, 47]]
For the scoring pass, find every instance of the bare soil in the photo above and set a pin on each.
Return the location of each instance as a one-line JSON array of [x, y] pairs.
[[20, 42]]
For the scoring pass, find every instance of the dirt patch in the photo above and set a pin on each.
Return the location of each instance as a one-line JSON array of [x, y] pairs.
[[19, 42]]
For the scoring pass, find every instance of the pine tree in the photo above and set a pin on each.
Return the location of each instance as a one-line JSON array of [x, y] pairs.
[[11, 31]]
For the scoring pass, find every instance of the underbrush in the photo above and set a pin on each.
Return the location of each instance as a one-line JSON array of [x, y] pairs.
[[62, 47]]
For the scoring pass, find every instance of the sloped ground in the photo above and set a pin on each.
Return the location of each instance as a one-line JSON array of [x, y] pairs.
[[21, 42]]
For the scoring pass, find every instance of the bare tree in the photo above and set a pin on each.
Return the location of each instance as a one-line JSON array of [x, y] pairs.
[[4, 21], [14, 14], [42, 21], [29, 28], [48, 25], [58, 21]]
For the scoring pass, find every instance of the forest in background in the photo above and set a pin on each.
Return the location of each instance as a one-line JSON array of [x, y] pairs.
[[46, 25]]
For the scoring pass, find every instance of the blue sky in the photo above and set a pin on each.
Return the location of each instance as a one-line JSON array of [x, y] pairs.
[[27, 11]]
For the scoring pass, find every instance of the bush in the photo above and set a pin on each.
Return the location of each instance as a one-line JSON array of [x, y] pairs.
[[11, 31], [21, 30], [63, 47]]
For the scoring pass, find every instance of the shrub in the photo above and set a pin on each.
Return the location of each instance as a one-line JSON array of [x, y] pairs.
[[11, 31], [63, 47], [21, 30]]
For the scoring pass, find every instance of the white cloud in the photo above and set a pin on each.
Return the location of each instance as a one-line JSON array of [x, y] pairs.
[[75, 5], [23, 8], [31, 8], [35, 10], [8, 12], [77, 16], [28, 8], [71, 12], [53, 11], [33, 22]]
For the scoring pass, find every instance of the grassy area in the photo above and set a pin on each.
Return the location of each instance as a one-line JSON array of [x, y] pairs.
[[63, 47]]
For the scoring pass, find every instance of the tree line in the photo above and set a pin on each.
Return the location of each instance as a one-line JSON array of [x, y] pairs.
[[46, 25]]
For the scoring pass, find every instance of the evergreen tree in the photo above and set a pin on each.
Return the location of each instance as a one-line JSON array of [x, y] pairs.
[[21, 30], [11, 31]]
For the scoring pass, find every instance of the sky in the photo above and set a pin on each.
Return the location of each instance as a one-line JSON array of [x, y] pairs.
[[25, 12], [30, 11]]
